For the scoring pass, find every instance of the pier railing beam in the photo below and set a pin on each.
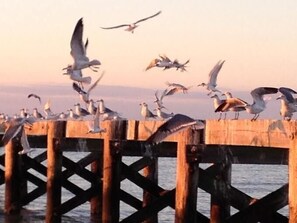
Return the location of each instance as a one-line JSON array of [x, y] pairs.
[[56, 130], [293, 178], [112, 158], [186, 179]]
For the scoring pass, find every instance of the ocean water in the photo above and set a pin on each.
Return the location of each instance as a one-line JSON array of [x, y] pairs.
[[255, 180]]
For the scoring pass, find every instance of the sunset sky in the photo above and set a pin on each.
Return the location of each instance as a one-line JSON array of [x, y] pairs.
[[258, 40]]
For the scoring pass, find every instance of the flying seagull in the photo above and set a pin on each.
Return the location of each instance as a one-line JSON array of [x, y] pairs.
[[35, 96], [212, 78], [78, 51], [177, 123], [132, 26]]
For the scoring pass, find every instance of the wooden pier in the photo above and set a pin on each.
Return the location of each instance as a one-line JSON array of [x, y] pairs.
[[221, 143]]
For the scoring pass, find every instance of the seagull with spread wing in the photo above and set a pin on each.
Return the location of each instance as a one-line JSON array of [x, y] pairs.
[[35, 96], [212, 78], [132, 26], [78, 51]]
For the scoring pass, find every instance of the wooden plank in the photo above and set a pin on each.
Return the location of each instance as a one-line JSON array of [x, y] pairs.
[[38, 128], [293, 178], [79, 129], [56, 130], [262, 133]]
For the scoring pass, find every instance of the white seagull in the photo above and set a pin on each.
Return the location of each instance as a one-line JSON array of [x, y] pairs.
[[132, 26], [145, 112], [78, 51], [164, 62], [288, 103], [212, 78]]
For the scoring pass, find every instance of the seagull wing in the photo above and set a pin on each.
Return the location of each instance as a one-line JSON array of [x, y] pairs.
[[115, 27], [214, 73], [77, 88], [173, 125], [95, 83], [12, 131], [78, 50], [287, 92], [230, 103], [141, 20], [258, 93], [152, 64]]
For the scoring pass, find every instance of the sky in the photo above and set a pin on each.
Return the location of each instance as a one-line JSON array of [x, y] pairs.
[[257, 39]]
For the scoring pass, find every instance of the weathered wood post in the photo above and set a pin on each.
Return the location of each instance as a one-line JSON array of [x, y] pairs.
[[220, 207], [111, 170], [56, 131], [186, 178], [293, 176], [96, 201], [150, 172], [12, 178]]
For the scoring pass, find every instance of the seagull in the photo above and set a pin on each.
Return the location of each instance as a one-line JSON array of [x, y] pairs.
[[36, 114], [78, 51], [84, 95], [76, 75], [212, 81], [145, 112], [159, 101], [94, 125], [163, 115], [107, 114], [73, 115], [164, 62], [235, 109], [80, 111], [176, 88], [216, 103], [131, 26], [177, 123], [35, 96], [15, 128], [288, 103], [180, 66]]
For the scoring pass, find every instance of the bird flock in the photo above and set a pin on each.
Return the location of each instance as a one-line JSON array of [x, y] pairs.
[[95, 111]]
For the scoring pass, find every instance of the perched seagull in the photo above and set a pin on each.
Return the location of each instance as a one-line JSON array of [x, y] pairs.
[[78, 51], [35, 96], [288, 103], [163, 115], [216, 103], [212, 81], [107, 114], [176, 88], [181, 66], [132, 26], [235, 109], [145, 112], [177, 123], [36, 114], [72, 115], [80, 111], [164, 62], [84, 95], [94, 125]]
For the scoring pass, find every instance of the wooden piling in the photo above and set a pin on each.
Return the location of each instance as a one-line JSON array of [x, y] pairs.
[[293, 178], [150, 172], [220, 207], [12, 179], [111, 171], [186, 180], [56, 130]]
